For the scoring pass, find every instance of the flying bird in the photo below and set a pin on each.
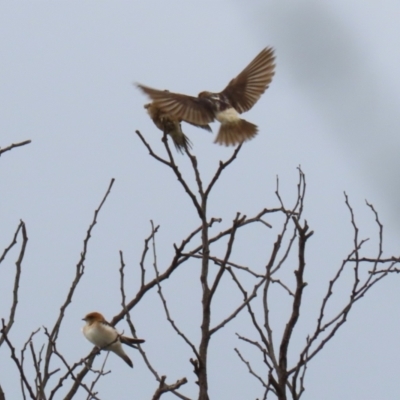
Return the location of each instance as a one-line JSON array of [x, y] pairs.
[[238, 97], [103, 335], [171, 126]]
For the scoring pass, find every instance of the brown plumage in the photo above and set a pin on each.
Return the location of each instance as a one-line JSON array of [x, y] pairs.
[[238, 97], [171, 126]]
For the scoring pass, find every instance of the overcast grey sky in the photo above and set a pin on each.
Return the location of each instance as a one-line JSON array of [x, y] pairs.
[[66, 82]]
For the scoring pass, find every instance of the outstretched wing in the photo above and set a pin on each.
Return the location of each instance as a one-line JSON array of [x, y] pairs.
[[187, 108], [245, 90]]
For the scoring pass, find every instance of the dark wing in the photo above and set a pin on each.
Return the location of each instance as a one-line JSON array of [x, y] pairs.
[[244, 90], [194, 110], [206, 127]]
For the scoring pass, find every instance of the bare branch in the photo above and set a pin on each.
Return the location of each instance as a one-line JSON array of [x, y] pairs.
[[247, 363], [164, 302], [80, 269], [2, 395], [222, 166], [12, 146], [163, 388], [151, 152], [374, 260], [175, 169], [18, 363], [18, 265], [326, 328], [91, 395], [245, 303], [235, 225], [12, 244], [133, 330], [144, 253]]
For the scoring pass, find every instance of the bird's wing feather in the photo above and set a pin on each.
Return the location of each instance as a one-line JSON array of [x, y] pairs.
[[187, 108], [205, 127], [245, 90]]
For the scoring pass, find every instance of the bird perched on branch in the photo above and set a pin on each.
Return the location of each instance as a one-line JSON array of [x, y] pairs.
[[103, 335], [171, 126], [238, 97]]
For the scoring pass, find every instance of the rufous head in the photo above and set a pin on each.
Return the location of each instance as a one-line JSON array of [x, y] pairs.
[[93, 317]]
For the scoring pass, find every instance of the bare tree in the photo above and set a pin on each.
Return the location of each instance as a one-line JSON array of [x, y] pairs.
[[278, 379]]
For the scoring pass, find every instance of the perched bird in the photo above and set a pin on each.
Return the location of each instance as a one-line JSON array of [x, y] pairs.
[[238, 97], [103, 335], [171, 126]]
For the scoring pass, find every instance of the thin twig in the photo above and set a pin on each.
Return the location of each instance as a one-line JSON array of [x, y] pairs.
[[12, 146], [18, 269], [18, 363], [251, 371], [163, 388], [80, 269], [165, 305]]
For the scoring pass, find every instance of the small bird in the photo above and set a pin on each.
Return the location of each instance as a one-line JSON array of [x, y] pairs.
[[238, 97], [171, 126], [103, 335]]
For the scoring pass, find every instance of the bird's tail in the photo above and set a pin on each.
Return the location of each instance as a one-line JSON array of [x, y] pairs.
[[174, 129], [131, 341], [181, 141], [235, 132], [126, 359]]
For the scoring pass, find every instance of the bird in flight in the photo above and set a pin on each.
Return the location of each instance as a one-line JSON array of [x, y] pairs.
[[238, 97], [103, 335]]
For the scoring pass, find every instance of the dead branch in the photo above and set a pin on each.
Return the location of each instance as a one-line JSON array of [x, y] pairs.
[[280, 376], [18, 269], [164, 302], [2, 395], [19, 363], [13, 146], [145, 250], [163, 388], [80, 269]]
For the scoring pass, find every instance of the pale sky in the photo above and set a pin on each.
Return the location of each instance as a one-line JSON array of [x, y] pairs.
[[66, 82]]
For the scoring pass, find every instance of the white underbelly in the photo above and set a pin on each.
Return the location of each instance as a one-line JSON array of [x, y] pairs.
[[101, 339], [228, 115]]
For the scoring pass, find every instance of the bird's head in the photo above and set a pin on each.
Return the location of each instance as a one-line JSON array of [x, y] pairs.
[[93, 317], [204, 94]]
